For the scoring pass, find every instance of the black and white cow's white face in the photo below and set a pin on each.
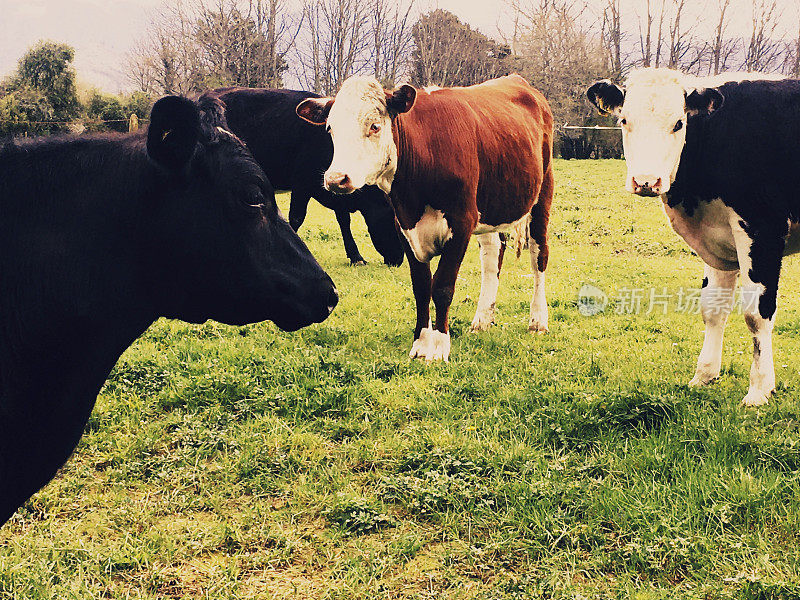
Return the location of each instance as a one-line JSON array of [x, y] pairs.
[[652, 110], [359, 120]]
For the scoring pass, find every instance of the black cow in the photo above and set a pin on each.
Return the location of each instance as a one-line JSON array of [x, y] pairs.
[[721, 152], [100, 236], [294, 154]]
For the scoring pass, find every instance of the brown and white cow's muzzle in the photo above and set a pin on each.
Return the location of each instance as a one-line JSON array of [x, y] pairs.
[[338, 183]]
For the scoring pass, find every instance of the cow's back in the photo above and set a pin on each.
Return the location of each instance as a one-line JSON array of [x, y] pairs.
[[746, 152], [493, 140], [292, 152]]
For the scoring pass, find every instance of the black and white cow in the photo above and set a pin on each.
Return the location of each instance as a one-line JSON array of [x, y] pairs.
[[721, 152], [294, 155], [100, 236]]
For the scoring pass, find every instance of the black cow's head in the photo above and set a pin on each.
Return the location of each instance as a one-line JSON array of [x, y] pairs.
[[225, 251]]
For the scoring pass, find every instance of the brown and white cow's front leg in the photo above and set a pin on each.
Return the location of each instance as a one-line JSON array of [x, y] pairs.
[[760, 255], [492, 248], [716, 302], [437, 345]]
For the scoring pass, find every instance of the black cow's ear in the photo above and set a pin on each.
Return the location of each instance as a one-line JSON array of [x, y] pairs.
[[315, 110], [703, 101], [401, 100], [606, 96], [173, 132]]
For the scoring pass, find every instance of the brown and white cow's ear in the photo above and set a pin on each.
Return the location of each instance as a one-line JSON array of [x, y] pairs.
[[606, 96], [315, 110], [401, 100], [703, 100]]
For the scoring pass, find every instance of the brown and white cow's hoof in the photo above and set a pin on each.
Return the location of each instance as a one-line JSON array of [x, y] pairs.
[[756, 397], [482, 322], [431, 345]]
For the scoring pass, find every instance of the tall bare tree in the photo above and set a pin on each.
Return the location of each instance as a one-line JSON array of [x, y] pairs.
[[196, 44], [449, 52], [611, 35], [645, 24], [791, 60], [765, 47], [392, 39], [336, 43], [722, 48]]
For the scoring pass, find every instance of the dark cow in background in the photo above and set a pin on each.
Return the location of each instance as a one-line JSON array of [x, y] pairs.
[[722, 153], [455, 162], [100, 236], [294, 155]]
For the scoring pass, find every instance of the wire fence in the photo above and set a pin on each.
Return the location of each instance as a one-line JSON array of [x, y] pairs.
[[134, 122], [592, 127]]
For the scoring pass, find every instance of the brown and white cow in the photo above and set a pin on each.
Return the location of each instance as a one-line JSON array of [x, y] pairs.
[[455, 162]]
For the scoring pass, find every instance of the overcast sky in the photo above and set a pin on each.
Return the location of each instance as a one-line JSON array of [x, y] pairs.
[[102, 31]]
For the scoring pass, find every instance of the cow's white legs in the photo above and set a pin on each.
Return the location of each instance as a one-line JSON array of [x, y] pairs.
[[716, 301], [491, 248], [759, 291], [539, 315]]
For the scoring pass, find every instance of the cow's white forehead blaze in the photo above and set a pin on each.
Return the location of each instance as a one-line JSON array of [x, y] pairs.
[[655, 101], [654, 95], [365, 157]]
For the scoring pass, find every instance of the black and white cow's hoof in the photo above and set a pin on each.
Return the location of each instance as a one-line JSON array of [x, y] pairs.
[[357, 262], [756, 397], [538, 327], [431, 345], [703, 378]]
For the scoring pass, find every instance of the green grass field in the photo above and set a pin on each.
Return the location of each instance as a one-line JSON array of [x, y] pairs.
[[244, 462]]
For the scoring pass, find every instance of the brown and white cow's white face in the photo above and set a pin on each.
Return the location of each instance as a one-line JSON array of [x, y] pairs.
[[652, 110], [359, 120]]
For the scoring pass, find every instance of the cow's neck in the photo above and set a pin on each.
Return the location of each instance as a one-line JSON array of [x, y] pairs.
[[407, 199], [69, 306]]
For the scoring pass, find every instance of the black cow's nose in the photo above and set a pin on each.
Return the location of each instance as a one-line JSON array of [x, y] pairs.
[[333, 299]]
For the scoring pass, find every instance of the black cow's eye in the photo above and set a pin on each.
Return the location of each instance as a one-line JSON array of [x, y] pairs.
[[678, 127], [253, 197]]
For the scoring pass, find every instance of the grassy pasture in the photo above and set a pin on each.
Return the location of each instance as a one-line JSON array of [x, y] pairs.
[[244, 462]]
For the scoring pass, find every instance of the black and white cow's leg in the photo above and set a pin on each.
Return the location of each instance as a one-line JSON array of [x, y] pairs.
[[492, 248], [298, 208], [760, 254], [350, 247], [716, 302]]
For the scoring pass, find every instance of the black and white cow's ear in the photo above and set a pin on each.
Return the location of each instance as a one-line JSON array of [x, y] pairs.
[[606, 96], [315, 110], [401, 100], [173, 132], [703, 101]]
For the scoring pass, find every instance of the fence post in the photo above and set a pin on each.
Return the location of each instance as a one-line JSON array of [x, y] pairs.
[[133, 123]]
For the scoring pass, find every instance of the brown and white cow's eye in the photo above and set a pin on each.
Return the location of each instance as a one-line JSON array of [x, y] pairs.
[[374, 128], [623, 121], [678, 127]]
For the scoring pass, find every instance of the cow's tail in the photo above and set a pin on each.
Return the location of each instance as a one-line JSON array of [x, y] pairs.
[[522, 234]]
